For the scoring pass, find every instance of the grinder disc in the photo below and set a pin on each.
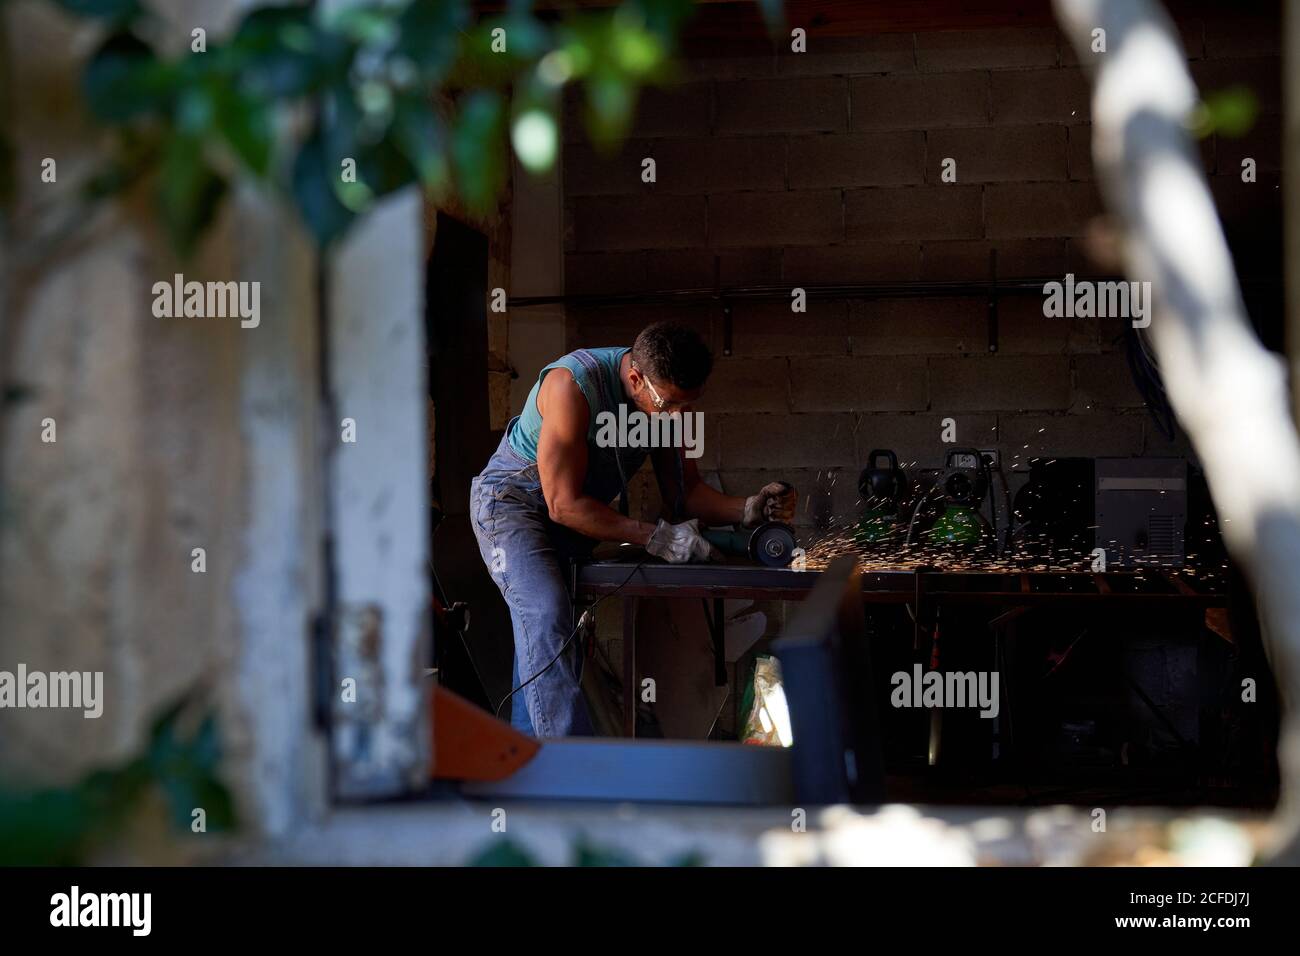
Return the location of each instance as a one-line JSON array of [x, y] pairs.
[[772, 544]]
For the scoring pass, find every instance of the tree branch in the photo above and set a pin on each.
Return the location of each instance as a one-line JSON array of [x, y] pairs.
[[1229, 393]]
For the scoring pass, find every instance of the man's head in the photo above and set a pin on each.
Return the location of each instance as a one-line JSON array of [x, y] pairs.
[[670, 364]]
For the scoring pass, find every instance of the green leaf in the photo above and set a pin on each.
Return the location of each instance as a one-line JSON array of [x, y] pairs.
[[190, 191], [690, 858], [314, 176], [385, 168], [419, 133], [429, 35], [588, 854], [610, 103], [245, 123], [1230, 112], [773, 15], [124, 80], [478, 150], [503, 853], [666, 17], [118, 10], [279, 52]]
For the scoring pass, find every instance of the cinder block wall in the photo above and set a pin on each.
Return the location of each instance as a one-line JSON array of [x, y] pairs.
[[825, 167]]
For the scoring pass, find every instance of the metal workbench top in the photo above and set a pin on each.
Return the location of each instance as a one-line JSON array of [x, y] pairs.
[[739, 580]]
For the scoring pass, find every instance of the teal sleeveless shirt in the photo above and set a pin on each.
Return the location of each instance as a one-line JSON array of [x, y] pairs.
[[527, 428]]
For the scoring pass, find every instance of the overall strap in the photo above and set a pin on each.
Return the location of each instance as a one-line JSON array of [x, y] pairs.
[[593, 367]]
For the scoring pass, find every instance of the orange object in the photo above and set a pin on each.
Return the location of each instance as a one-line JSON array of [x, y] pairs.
[[471, 744]]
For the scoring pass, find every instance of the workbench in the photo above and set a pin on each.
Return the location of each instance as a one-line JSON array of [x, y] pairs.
[[917, 588]]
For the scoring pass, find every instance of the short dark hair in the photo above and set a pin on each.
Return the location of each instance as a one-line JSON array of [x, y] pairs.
[[675, 353]]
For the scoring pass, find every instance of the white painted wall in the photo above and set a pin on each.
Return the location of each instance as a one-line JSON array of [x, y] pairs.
[[380, 502]]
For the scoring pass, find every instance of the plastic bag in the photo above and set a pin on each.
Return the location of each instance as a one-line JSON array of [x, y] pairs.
[[768, 721]]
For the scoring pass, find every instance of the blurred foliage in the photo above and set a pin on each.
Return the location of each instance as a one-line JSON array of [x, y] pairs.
[[387, 94], [62, 826], [585, 853], [1230, 112]]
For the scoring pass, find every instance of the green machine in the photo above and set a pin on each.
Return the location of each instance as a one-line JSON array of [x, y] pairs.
[[959, 493], [883, 488]]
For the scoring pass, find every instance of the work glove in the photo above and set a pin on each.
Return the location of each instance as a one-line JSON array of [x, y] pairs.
[[774, 502], [679, 543]]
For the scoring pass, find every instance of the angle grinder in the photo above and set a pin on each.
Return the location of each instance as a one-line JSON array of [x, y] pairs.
[[771, 544]]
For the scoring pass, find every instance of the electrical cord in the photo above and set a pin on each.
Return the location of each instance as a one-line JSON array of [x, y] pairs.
[[725, 697], [582, 620], [916, 511], [442, 599], [1146, 376]]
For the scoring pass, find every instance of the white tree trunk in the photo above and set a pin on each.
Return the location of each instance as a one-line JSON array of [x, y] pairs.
[[1229, 393]]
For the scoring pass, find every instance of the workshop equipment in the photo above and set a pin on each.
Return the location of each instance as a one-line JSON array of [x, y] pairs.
[[1141, 510], [1052, 516], [883, 487], [961, 489], [771, 544]]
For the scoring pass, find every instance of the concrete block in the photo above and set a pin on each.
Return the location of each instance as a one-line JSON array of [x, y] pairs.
[[853, 262], [918, 439], [869, 384], [999, 382], [1104, 381], [1030, 436], [995, 49], [794, 105], [1046, 210], [719, 164], [814, 440], [914, 212], [863, 159], [747, 385], [770, 328], [902, 101], [997, 154], [885, 53], [801, 217], [604, 223], [1040, 96], [681, 110], [591, 172], [917, 326], [968, 259]]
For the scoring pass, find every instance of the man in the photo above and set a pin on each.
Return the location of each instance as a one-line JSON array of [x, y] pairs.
[[544, 499]]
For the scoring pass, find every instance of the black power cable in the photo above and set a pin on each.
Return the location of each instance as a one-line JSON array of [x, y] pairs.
[[582, 620]]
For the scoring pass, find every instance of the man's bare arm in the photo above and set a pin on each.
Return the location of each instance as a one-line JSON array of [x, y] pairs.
[[699, 500], [562, 465], [774, 502]]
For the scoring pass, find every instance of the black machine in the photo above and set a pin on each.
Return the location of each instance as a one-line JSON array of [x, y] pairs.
[[1052, 515], [884, 488]]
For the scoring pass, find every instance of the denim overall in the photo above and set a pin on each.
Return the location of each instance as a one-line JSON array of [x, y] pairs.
[[529, 557]]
